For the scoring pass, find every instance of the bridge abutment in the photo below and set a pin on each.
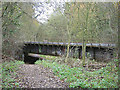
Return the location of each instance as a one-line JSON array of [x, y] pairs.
[[28, 48]]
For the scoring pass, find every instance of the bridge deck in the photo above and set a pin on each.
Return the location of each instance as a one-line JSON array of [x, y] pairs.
[[96, 51], [74, 44]]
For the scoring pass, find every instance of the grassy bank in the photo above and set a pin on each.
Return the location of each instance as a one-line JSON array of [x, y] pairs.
[[105, 77], [8, 74]]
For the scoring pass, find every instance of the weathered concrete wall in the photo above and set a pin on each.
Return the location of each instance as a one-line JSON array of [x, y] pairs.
[[90, 53], [75, 51], [44, 49], [103, 54]]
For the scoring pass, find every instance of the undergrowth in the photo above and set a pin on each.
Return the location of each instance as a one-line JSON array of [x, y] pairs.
[[79, 77], [8, 74]]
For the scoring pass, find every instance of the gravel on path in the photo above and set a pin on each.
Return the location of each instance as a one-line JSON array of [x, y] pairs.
[[37, 76]]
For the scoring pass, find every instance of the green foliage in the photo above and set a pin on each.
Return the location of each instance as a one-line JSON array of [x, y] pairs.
[[17, 26], [49, 57], [79, 77], [10, 26], [8, 72], [99, 23]]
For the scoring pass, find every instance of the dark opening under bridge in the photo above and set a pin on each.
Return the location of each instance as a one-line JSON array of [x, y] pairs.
[[95, 50]]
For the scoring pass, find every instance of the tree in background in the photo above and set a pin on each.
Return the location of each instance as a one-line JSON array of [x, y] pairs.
[[10, 26], [18, 26], [69, 22], [83, 22]]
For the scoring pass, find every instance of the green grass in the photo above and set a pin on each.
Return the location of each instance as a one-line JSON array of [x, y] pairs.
[[80, 77], [49, 57], [8, 72]]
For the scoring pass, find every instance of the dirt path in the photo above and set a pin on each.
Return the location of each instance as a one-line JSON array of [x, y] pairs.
[[37, 76]]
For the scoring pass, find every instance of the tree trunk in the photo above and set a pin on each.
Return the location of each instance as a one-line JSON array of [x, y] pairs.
[[84, 39], [83, 52], [68, 46]]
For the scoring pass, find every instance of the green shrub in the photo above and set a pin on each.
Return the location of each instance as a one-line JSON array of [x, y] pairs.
[[80, 77], [8, 71]]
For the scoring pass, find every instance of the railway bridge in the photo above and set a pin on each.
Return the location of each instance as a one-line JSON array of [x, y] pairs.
[[96, 51]]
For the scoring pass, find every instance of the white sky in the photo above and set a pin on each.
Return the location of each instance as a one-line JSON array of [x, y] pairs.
[[44, 10]]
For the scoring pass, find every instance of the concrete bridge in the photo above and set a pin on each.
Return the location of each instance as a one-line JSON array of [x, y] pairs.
[[95, 50]]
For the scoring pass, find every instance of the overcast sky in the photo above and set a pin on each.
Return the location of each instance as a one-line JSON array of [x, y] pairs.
[[43, 10]]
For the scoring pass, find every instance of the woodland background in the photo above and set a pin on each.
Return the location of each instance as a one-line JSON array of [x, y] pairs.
[[93, 22]]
